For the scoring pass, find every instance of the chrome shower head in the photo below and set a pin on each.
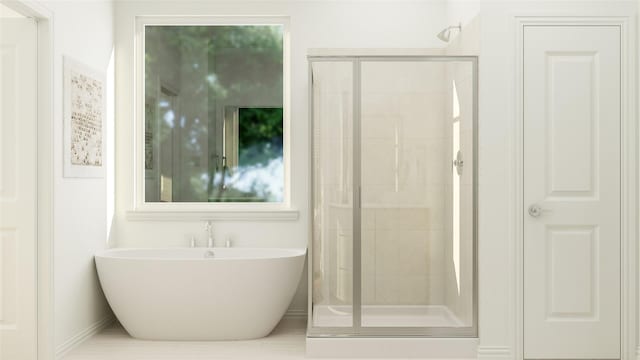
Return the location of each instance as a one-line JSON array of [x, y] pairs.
[[445, 35]]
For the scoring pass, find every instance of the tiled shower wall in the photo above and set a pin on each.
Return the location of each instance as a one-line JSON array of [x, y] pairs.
[[402, 183], [401, 257]]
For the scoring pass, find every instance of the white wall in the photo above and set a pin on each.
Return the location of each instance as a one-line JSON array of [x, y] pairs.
[[84, 31], [496, 239], [314, 24], [6, 12], [367, 24]]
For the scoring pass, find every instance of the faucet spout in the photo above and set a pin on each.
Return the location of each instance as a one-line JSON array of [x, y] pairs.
[[208, 227]]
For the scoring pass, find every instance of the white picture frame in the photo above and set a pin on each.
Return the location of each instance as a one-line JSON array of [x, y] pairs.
[[84, 97]]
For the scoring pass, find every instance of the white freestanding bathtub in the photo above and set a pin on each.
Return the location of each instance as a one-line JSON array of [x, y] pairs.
[[185, 294]]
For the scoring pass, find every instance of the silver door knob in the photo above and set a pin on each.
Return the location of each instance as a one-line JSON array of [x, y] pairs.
[[536, 210]]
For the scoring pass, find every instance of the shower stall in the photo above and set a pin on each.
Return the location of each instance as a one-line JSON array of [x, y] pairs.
[[394, 169]]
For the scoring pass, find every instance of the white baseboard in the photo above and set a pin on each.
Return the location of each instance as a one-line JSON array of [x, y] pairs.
[[494, 352], [64, 348], [295, 314]]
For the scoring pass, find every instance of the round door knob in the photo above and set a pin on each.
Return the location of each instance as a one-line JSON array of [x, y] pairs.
[[535, 210]]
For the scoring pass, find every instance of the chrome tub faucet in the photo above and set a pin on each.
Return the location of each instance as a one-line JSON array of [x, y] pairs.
[[208, 227]]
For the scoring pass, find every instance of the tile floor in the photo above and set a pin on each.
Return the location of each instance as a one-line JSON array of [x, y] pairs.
[[287, 341]]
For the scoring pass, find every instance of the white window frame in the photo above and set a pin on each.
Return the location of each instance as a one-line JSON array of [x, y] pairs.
[[187, 211]]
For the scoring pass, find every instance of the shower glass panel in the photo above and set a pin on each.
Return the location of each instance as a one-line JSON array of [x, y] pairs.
[[332, 274], [394, 196], [417, 216]]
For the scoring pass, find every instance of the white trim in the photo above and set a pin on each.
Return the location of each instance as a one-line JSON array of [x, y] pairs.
[[363, 52], [46, 193], [235, 215], [200, 20], [629, 202], [138, 202], [73, 342], [494, 352], [629, 191], [295, 314], [45, 293], [516, 221]]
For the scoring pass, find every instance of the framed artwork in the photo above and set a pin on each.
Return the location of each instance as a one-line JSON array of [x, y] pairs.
[[84, 121]]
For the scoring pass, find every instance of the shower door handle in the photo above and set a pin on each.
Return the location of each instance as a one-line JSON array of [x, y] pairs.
[[458, 163]]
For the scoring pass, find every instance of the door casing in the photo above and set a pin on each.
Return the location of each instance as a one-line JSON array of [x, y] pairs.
[[44, 243]]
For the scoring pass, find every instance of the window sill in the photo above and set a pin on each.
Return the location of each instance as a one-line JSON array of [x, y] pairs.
[[225, 215]]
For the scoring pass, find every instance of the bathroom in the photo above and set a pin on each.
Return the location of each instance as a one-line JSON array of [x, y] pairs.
[[461, 59]]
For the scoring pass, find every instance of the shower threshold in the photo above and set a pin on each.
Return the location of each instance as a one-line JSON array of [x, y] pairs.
[[387, 316]]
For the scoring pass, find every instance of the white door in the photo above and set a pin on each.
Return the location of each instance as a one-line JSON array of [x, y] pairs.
[[18, 189], [572, 192]]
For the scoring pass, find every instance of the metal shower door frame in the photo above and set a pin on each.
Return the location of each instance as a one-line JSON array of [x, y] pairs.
[[357, 330]]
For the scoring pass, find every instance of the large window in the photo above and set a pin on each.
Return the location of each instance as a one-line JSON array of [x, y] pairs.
[[214, 113]]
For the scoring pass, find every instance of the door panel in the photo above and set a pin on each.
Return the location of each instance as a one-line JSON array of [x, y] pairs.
[[18, 189], [572, 192]]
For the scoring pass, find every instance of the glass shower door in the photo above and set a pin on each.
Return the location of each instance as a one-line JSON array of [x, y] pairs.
[[416, 163], [394, 173], [333, 272]]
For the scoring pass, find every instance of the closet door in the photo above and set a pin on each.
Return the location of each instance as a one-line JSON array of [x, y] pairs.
[[572, 192], [18, 188]]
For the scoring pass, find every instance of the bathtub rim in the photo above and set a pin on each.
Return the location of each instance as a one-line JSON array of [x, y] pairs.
[[287, 253]]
